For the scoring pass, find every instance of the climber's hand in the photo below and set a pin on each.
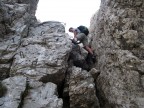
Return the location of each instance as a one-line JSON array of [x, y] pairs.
[[74, 41]]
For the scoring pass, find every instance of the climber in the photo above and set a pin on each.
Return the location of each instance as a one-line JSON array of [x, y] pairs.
[[80, 36]]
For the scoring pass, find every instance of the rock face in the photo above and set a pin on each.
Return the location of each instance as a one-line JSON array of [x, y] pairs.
[[15, 20], [15, 89], [117, 31], [35, 71], [43, 53], [82, 89], [33, 57], [43, 96], [32, 4]]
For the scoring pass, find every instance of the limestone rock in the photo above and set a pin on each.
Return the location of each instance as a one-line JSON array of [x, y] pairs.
[[15, 88], [15, 19], [81, 88], [36, 51], [44, 96], [43, 54], [4, 71], [31, 3], [3, 90], [94, 72], [39, 53], [118, 39]]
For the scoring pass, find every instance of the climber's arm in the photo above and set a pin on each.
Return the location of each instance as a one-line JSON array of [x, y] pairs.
[[88, 49]]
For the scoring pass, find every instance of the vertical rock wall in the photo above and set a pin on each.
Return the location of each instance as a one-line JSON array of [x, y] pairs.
[[33, 57], [14, 24], [34, 62], [32, 4], [118, 40]]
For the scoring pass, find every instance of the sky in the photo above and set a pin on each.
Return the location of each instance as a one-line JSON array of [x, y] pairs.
[[71, 12]]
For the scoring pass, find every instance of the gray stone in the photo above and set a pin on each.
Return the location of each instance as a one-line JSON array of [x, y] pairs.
[[32, 3], [82, 91], [38, 52], [94, 72], [15, 86], [9, 1], [15, 18], [2, 26], [44, 96], [142, 80], [117, 30], [4, 71], [43, 54], [46, 28], [8, 48]]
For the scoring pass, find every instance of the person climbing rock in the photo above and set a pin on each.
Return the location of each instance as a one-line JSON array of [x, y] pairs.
[[80, 36]]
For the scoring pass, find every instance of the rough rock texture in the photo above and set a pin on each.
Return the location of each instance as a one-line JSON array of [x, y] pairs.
[[43, 54], [16, 87], [80, 88], [31, 54], [34, 59], [43, 96], [118, 39], [32, 4], [15, 21], [2, 90]]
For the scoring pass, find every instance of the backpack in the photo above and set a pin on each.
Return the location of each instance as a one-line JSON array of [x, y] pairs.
[[83, 29]]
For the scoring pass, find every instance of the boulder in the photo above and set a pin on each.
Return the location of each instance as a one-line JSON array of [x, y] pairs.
[[43, 54], [81, 89], [15, 88], [43, 96]]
